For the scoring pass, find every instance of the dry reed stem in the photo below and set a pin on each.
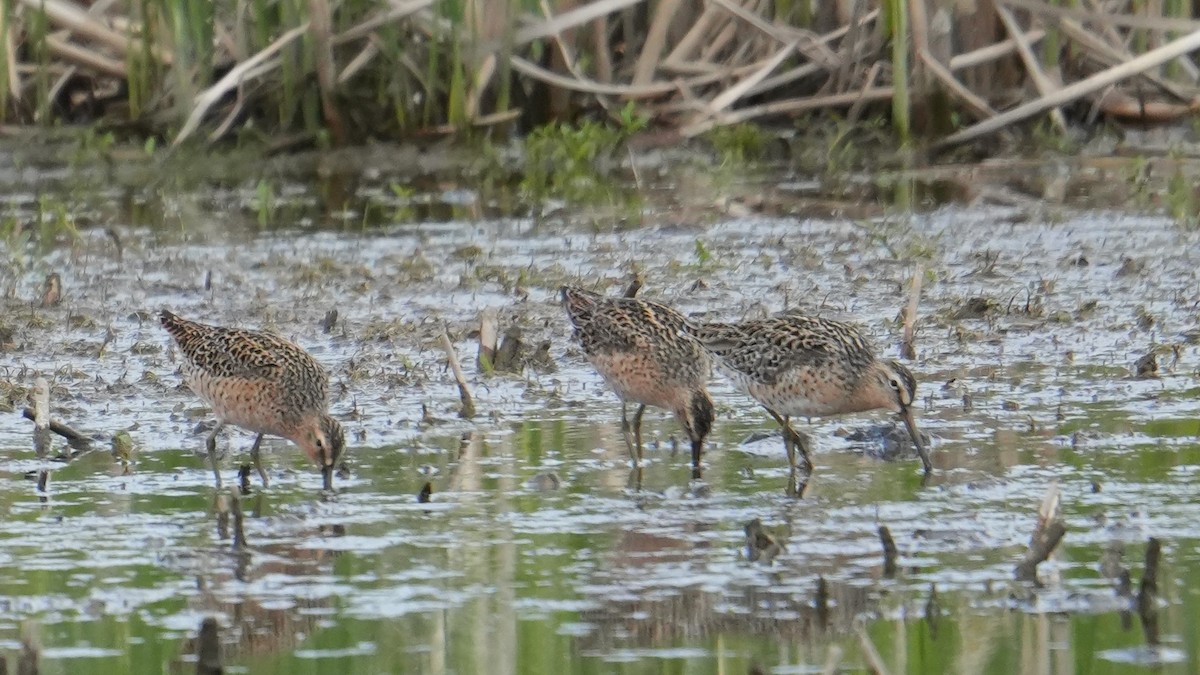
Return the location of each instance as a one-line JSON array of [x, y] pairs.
[[1109, 55], [794, 105], [855, 110], [656, 41], [321, 31], [1032, 68], [690, 40], [1077, 90], [789, 76], [1124, 20], [732, 94], [467, 411], [571, 19], [600, 50], [589, 86], [234, 78], [973, 102], [908, 347], [72, 17], [489, 339], [399, 10], [360, 61], [992, 52]]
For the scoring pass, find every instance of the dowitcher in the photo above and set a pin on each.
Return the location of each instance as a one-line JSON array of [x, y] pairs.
[[262, 383], [802, 366], [642, 353]]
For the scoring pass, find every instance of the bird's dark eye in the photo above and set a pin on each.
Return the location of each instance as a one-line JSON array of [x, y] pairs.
[[895, 384], [320, 444]]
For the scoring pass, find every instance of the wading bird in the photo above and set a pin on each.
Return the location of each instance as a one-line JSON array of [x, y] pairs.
[[262, 383], [805, 366], [643, 354]]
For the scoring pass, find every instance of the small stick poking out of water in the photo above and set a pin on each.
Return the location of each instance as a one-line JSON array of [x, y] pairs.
[[330, 320], [635, 285], [489, 337], [1148, 593], [75, 439], [208, 648], [1046, 535], [425, 494], [508, 354], [889, 551], [464, 392], [908, 349], [41, 416], [1044, 544]]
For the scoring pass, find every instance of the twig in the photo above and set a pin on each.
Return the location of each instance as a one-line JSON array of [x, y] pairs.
[[40, 416], [75, 439], [464, 392], [489, 338], [1041, 549]]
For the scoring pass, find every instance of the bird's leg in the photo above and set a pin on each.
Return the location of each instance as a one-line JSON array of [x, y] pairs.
[[792, 441], [637, 431], [211, 444], [800, 443], [254, 456], [627, 433]]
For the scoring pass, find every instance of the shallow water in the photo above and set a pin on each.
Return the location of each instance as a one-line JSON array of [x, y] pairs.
[[505, 573]]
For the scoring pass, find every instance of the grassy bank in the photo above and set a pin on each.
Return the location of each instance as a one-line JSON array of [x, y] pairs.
[[303, 73]]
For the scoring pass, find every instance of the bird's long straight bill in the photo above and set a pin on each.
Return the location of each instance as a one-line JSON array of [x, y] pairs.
[[907, 416]]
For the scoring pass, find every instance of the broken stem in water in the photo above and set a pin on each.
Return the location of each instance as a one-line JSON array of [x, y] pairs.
[[464, 392]]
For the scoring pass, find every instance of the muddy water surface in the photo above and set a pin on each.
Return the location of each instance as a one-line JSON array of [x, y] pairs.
[[536, 555]]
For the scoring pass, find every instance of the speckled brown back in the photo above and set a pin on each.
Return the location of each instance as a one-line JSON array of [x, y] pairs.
[[219, 355], [766, 350], [619, 327]]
